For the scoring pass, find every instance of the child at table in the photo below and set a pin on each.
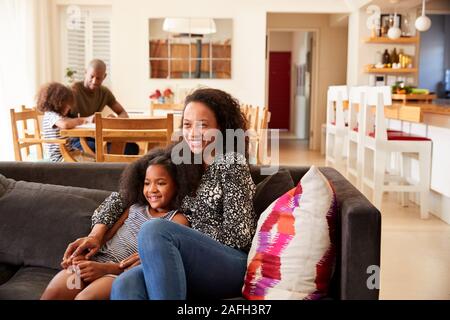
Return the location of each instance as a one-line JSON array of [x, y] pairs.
[[151, 186], [55, 101]]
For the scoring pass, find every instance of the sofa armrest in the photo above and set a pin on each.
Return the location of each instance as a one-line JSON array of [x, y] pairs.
[[360, 246], [359, 240]]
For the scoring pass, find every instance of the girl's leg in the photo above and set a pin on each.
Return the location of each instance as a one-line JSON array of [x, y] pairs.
[[130, 285], [99, 289], [64, 286], [179, 262]]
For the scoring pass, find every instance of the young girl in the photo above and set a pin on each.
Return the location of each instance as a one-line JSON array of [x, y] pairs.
[[150, 185], [56, 100]]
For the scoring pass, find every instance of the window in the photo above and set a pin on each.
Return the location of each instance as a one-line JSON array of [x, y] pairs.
[[85, 35]]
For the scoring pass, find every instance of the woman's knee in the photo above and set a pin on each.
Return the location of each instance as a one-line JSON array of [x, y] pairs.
[[154, 231], [129, 285]]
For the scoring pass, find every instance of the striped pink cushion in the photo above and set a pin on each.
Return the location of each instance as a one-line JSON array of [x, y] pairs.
[[293, 252]]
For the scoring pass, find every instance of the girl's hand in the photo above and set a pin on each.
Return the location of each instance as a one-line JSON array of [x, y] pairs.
[[91, 270], [130, 262]]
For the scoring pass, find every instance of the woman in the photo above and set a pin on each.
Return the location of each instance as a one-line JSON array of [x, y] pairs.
[[210, 259]]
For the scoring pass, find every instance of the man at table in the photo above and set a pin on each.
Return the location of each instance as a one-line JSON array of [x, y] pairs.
[[91, 97]]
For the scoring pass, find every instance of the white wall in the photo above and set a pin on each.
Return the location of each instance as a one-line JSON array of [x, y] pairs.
[[131, 83], [280, 41]]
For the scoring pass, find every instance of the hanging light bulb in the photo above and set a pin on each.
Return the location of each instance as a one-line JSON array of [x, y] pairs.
[[394, 32], [423, 23]]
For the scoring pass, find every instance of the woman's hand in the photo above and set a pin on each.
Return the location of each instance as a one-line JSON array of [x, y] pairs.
[[79, 247], [130, 262]]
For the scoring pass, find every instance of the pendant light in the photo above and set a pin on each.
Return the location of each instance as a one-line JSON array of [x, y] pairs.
[[423, 23]]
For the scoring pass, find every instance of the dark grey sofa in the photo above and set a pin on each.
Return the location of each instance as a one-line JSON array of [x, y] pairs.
[[359, 229]]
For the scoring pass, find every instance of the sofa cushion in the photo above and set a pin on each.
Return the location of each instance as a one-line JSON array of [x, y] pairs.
[[27, 284], [7, 271], [270, 189], [293, 252], [37, 221]]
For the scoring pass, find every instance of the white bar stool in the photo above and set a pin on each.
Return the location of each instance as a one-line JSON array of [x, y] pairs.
[[336, 132], [381, 143]]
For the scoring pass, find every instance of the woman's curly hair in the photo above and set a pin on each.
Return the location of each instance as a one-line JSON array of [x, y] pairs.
[[132, 179], [54, 97], [226, 109]]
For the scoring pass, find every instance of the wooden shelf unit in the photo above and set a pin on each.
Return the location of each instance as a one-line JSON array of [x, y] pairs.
[[370, 69], [401, 40]]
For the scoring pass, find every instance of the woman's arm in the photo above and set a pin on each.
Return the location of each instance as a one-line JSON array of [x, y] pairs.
[[87, 246], [104, 217], [239, 222], [109, 212]]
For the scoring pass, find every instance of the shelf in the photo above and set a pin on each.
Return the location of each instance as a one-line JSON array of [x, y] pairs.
[[390, 70], [402, 40]]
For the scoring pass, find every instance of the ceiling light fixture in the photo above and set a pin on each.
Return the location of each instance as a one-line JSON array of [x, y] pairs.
[[423, 23]]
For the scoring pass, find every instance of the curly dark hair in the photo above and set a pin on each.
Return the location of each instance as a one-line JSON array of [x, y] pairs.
[[131, 184], [226, 109], [54, 97]]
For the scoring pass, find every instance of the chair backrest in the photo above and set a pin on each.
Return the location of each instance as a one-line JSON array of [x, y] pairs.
[[121, 130], [25, 136], [377, 97], [252, 118], [244, 109], [357, 106], [336, 96], [262, 131], [174, 107]]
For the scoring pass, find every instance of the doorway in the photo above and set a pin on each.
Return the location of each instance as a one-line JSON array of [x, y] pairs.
[[290, 66]]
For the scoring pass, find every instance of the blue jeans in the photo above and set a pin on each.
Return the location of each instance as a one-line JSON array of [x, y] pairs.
[[177, 263], [130, 148]]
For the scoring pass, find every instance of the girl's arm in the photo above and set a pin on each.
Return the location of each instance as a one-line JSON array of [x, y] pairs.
[[111, 232], [69, 123], [181, 219]]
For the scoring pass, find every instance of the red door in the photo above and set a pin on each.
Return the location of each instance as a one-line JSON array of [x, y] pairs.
[[279, 89]]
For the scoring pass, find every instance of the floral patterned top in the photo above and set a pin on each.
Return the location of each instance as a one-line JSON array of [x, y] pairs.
[[222, 207]]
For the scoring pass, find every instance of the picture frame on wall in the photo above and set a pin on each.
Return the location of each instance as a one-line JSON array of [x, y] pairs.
[[387, 21]]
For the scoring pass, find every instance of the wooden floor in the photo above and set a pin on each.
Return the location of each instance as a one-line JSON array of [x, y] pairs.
[[415, 253]]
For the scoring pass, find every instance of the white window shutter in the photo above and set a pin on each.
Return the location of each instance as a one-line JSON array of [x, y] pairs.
[[101, 41], [75, 48], [89, 39]]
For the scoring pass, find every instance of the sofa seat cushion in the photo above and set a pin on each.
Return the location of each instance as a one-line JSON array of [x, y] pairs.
[[38, 221], [27, 284], [7, 271]]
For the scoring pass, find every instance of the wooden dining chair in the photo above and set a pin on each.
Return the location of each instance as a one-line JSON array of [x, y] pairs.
[[262, 130], [26, 136], [121, 130], [169, 107]]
